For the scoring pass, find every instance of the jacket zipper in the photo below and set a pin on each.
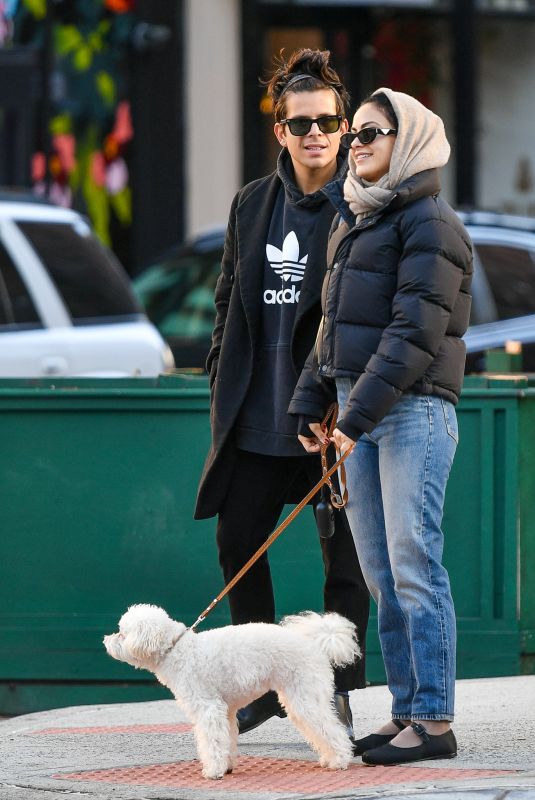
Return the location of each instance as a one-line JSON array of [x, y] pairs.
[[323, 361], [368, 224]]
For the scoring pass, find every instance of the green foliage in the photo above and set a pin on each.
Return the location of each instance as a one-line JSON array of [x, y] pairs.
[[88, 166]]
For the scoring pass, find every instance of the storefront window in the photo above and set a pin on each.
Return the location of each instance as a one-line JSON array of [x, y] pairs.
[[286, 40], [407, 52]]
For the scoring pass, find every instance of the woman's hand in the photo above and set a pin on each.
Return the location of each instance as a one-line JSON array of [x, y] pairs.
[[342, 442], [312, 444]]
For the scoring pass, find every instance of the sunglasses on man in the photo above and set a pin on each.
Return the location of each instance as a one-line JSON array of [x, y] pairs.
[[300, 126], [366, 135]]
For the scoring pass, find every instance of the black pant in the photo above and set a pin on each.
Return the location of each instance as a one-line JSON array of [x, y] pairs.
[[255, 500]]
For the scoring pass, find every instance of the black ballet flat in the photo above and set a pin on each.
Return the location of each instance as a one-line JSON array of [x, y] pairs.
[[433, 747], [375, 740]]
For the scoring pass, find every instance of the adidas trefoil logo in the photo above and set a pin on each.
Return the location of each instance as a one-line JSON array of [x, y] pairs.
[[287, 264]]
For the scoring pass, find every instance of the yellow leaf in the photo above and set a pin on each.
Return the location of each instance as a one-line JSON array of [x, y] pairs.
[[83, 58], [99, 210], [37, 8], [59, 124], [95, 41], [106, 87], [122, 205], [68, 38]]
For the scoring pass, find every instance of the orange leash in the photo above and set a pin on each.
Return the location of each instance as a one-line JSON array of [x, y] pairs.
[[331, 415], [337, 500]]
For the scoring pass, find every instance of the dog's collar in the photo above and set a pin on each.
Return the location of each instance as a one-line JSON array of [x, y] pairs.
[[180, 635], [174, 642]]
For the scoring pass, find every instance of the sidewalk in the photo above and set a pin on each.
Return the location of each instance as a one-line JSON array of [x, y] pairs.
[[145, 751]]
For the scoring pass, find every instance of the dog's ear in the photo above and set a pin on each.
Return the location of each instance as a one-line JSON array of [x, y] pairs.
[[149, 639]]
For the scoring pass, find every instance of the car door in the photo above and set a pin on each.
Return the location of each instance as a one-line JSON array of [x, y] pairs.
[[29, 305], [503, 306]]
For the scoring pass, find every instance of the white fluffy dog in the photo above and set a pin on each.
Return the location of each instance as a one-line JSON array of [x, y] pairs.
[[213, 674]]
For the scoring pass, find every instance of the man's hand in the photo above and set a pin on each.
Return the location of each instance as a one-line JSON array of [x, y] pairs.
[[312, 444], [341, 441]]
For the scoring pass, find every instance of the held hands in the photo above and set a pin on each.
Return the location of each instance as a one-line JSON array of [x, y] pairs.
[[313, 443]]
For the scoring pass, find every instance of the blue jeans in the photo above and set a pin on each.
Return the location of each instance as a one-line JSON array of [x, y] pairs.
[[396, 478]]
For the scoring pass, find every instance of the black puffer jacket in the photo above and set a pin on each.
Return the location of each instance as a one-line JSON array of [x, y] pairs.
[[396, 303]]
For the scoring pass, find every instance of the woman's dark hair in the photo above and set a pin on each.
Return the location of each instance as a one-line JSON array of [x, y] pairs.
[[305, 71], [381, 101]]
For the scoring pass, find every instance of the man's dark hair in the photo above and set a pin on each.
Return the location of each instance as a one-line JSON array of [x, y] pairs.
[[305, 71]]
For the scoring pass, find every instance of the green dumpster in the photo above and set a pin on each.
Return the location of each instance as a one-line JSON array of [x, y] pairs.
[[489, 524], [97, 488]]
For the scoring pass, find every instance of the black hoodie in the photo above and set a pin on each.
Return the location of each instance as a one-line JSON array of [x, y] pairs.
[[263, 425]]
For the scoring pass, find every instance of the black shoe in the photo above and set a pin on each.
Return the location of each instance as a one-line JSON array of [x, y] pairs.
[[442, 746], [259, 711], [375, 740], [343, 712]]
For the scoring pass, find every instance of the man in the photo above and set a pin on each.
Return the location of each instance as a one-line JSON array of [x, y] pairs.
[[268, 312]]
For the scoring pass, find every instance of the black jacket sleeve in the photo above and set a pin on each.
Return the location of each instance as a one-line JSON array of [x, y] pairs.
[[223, 292], [313, 394], [431, 268]]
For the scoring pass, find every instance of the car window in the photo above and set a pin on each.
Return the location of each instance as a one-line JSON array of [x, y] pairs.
[[16, 305], [178, 295], [89, 278], [483, 308], [510, 273]]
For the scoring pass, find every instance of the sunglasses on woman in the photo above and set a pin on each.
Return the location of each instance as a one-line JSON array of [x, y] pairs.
[[366, 135], [300, 126]]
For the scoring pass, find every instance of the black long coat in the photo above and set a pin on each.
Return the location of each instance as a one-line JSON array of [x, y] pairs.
[[238, 324]]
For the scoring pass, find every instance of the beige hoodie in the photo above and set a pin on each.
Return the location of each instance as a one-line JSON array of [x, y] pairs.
[[420, 144]]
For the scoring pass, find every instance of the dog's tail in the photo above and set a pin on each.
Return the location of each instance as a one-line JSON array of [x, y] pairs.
[[334, 635]]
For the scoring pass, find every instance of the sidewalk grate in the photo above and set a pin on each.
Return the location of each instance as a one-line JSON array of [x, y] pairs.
[[275, 775], [181, 727]]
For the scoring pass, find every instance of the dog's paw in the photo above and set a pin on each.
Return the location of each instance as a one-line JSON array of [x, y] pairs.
[[334, 762], [337, 762], [212, 775]]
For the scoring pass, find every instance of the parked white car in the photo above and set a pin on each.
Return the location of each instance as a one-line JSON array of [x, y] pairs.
[[66, 304]]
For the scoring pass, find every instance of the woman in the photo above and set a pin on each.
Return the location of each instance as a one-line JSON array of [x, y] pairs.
[[396, 303]]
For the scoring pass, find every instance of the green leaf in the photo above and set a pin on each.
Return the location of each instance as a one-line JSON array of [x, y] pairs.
[[95, 41], [83, 58], [68, 39], [122, 205], [36, 7], [106, 87], [61, 123], [99, 209]]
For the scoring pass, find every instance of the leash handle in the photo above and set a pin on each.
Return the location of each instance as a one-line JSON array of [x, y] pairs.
[[329, 424], [284, 524]]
